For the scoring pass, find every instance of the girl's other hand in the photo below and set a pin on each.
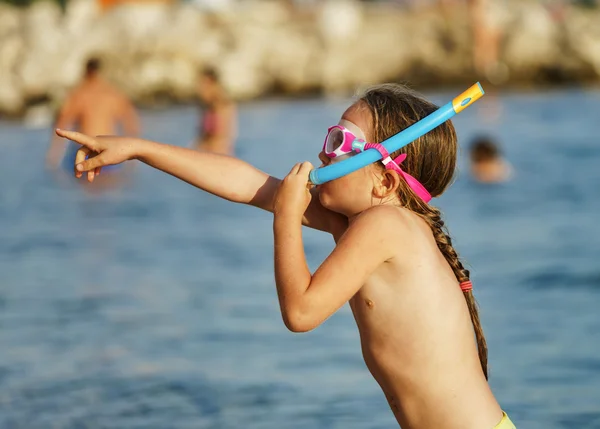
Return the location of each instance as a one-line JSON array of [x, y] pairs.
[[293, 195]]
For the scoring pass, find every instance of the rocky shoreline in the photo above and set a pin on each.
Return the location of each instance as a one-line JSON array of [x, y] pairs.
[[153, 50]]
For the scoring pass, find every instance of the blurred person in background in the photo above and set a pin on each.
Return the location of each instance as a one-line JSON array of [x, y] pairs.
[[487, 163], [95, 107], [218, 124], [487, 19]]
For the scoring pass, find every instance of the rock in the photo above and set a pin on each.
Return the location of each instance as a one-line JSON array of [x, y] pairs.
[[11, 97], [583, 34], [533, 42], [10, 20], [153, 50]]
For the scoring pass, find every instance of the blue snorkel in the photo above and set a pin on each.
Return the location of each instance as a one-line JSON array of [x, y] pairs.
[[410, 134]]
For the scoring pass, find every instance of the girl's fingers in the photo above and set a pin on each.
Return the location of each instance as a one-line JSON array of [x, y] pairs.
[[80, 138], [305, 168], [80, 156], [294, 169], [91, 163]]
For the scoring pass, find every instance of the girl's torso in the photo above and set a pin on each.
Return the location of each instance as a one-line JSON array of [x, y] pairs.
[[417, 337]]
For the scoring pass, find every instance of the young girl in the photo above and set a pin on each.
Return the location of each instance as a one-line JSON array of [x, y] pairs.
[[393, 261]]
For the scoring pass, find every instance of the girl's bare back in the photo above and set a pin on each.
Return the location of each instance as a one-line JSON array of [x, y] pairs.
[[101, 109]]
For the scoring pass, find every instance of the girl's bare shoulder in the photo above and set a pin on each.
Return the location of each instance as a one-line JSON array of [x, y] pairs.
[[398, 219], [398, 226]]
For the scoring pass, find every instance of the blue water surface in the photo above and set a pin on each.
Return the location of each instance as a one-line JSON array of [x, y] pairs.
[[154, 306]]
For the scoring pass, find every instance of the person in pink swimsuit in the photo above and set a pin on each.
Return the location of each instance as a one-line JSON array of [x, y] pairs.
[[218, 126]]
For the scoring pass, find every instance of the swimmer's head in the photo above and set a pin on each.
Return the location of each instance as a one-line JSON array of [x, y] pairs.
[[487, 162], [92, 66], [484, 149], [208, 85], [381, 112]]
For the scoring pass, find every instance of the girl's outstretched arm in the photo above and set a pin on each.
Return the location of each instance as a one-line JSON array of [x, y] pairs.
[[307, 300], [226, 177]]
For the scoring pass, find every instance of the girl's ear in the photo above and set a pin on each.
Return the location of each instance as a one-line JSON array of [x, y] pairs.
[[387, 184]]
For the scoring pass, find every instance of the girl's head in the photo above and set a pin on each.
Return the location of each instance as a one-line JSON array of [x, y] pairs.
[[381, 112], [431, 159]]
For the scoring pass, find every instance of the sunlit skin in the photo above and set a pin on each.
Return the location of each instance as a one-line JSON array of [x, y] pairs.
[[492, 171], [415, 331]]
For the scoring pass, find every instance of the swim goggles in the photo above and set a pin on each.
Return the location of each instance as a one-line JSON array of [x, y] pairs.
[[341, 141]]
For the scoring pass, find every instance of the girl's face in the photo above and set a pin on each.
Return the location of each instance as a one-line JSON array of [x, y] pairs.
[[351, 194]]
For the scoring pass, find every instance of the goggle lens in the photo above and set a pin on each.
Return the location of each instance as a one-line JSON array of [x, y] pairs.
[[335, 139]]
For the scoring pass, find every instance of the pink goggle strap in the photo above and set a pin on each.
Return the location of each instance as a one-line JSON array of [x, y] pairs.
[[394, 164]]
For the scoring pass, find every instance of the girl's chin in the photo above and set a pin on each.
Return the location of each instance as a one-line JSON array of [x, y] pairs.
[[327, 203], [324, 198]]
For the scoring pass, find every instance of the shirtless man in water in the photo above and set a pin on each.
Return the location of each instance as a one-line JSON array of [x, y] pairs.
[[95, 107]]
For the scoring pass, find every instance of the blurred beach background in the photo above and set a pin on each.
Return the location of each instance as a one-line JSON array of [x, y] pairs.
[[153, 305]]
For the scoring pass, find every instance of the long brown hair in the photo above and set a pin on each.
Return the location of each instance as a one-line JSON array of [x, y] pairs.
[[431, 159]]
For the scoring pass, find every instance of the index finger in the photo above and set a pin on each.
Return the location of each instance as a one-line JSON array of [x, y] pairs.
[[77, 137]]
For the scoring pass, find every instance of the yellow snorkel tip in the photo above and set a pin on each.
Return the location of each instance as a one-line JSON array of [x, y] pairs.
[[468, 97]]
